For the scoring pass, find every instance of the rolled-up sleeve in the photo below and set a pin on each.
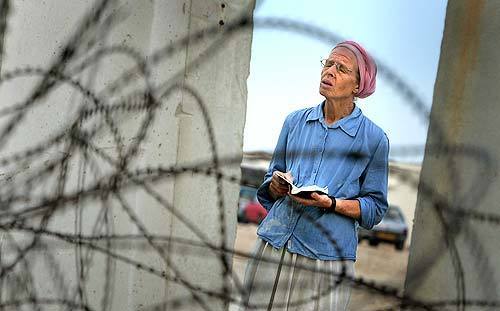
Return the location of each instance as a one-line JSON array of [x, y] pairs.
[[373, 191], [278, 163]]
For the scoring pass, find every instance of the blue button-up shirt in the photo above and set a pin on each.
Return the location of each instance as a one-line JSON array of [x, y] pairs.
[[349, 156]]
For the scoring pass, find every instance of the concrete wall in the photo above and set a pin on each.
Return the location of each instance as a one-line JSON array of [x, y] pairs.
[[455, 257], [177, 136]]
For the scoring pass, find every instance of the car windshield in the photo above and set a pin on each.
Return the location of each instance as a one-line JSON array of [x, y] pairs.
[[392, 213]]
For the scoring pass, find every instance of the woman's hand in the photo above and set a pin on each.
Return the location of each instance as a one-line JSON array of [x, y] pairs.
[[278, 187], [318, 200]]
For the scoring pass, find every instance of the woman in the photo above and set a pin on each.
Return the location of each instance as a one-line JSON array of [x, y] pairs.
[[307, 245]]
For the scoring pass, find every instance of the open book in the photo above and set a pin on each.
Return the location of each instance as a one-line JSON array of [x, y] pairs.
[[304, 191]]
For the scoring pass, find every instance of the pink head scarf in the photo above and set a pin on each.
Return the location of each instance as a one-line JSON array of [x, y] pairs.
[[367, 68]]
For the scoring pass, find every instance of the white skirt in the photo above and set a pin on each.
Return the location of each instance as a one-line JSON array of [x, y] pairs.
[[279, 280]]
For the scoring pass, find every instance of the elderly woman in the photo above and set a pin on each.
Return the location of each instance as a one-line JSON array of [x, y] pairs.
[[305, 254]]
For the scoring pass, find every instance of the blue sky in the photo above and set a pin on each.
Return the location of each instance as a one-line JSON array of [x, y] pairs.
[[284, 69]]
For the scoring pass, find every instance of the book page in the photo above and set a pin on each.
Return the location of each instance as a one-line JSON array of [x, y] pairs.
[[287, 178]]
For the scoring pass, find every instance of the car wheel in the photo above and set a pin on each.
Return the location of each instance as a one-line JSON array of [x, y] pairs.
[[400, 245]]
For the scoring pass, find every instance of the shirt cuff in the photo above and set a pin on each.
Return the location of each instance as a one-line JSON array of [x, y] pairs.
[[264, 196], [367, 213]]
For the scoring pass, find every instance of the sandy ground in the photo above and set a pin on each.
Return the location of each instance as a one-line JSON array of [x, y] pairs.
[[383, 265]]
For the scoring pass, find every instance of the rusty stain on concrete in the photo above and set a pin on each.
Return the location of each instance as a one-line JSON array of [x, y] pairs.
[[467, 43]]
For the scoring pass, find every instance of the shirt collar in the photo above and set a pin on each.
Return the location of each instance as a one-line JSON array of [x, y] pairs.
[[349, 124]]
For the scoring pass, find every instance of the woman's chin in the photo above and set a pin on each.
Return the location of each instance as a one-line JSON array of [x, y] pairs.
[[323, 91]]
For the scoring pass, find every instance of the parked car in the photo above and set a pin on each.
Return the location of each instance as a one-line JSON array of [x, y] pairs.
[[392, 229], [252, 175], [249, 209]]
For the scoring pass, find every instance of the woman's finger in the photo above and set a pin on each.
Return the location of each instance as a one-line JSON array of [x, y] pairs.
[[277, 189]]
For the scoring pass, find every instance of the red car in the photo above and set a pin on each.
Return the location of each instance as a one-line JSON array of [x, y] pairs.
[[249, 209]]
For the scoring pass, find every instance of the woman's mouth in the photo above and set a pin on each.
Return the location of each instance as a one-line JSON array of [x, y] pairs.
[[326, 83]]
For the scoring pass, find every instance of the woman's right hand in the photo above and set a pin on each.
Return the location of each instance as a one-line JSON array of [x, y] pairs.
[[278, 187]]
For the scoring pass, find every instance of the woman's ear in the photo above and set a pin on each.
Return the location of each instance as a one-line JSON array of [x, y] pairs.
[[356, 89]]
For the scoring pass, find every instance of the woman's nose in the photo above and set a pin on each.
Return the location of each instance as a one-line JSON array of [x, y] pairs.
[[330, 72]]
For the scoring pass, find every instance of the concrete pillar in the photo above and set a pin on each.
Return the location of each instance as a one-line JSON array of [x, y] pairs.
[[186, 206], [455, 246]]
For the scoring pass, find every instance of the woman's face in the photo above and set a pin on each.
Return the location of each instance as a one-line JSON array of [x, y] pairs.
[[338, 77]]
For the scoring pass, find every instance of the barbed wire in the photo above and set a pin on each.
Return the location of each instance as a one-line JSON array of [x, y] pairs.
[[26, 211]]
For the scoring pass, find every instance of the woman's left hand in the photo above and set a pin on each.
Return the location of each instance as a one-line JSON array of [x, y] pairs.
[[318, 200]]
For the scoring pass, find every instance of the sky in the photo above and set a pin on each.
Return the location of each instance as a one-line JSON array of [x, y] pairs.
[[285, 66]]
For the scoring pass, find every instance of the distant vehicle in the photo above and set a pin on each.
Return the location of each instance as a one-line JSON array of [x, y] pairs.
[[252, 175], [249, 209], [392, 229]]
